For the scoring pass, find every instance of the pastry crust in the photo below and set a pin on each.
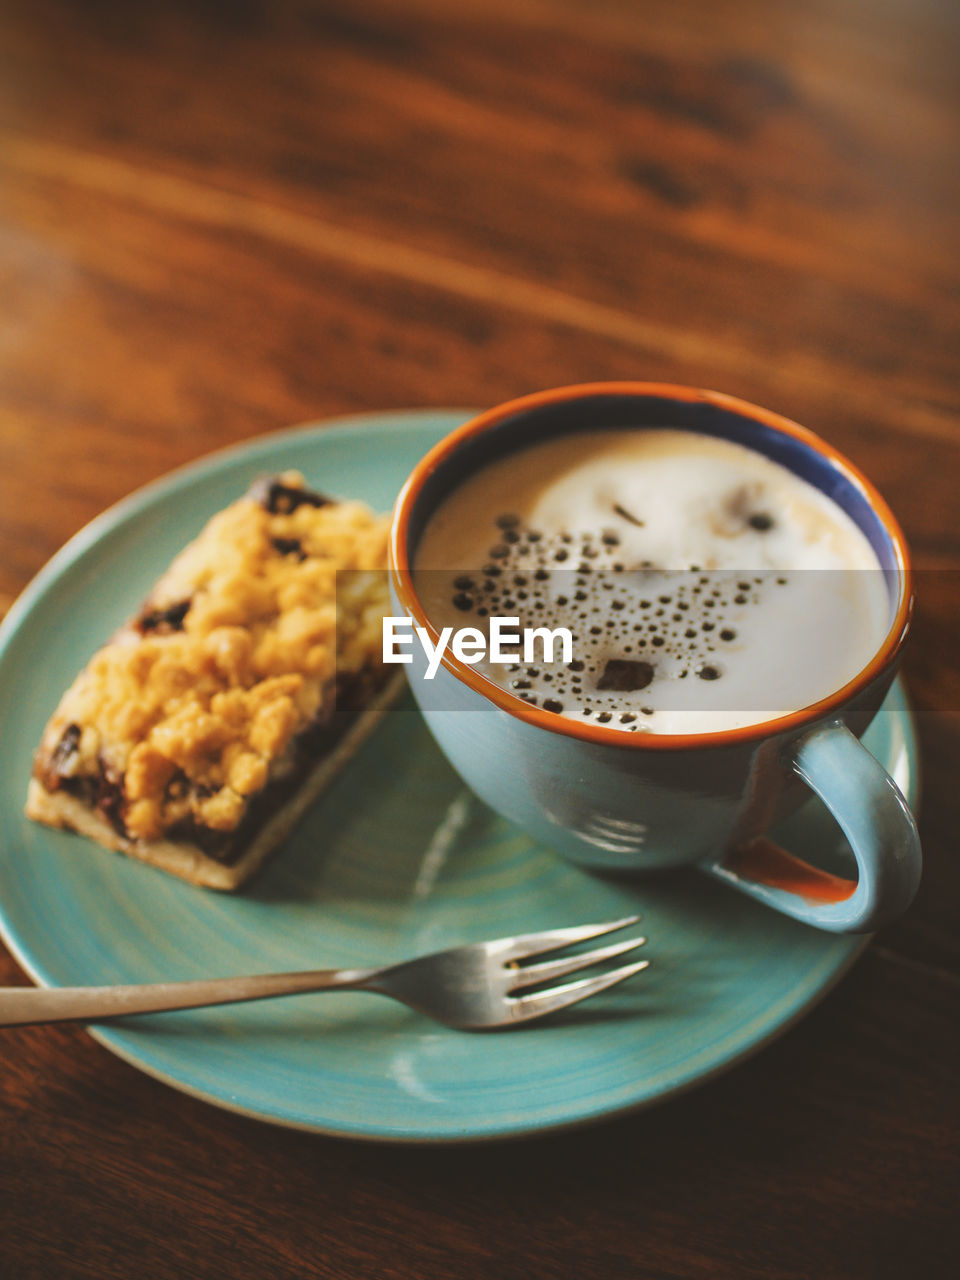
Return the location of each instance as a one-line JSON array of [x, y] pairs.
[[188, 861], [199, 734]]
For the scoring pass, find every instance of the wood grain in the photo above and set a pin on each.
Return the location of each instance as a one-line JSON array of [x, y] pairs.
[[220, 219]]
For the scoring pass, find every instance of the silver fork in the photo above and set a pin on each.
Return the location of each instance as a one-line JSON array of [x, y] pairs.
[[471, 987]]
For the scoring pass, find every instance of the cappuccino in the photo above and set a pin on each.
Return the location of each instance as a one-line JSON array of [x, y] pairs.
[[705, 586]]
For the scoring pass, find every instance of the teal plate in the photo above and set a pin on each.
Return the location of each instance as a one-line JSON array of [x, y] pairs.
[[397, 858]]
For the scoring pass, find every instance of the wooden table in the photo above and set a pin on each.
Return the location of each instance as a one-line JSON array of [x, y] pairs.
[[220, 219]]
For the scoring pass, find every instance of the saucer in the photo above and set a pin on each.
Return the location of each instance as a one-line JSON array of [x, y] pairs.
[[396, 858]]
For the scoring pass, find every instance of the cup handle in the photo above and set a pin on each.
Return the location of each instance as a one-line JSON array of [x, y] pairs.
[[873, 815]]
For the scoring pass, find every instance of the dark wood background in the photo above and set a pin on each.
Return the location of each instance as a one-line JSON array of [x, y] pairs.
[[218, 219]]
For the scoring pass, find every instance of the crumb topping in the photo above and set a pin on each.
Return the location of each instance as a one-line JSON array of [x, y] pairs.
[[196, 704]]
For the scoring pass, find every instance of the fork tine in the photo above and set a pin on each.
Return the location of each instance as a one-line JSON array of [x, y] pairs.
[[541, 1002], [535, 944], [533, 974]]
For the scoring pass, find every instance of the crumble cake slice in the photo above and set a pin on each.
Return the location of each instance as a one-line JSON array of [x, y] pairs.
[[199, 734]]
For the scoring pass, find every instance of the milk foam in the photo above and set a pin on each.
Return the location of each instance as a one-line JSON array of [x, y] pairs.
[[707, 587]]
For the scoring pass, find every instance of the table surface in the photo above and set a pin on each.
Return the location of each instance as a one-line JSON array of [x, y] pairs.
[[220, 219]]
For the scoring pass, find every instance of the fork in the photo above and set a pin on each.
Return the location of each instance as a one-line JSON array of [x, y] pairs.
[[479, 986]]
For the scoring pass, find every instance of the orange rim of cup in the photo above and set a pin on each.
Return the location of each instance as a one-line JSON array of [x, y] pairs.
[[402, 578]]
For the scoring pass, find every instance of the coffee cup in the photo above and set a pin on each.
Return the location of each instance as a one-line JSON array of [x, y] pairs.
[[642, 800]]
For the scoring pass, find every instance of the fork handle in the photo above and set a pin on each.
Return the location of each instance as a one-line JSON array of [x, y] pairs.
[[21, 1006]]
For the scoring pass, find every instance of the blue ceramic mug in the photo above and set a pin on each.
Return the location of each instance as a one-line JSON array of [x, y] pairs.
[[636, 802]]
